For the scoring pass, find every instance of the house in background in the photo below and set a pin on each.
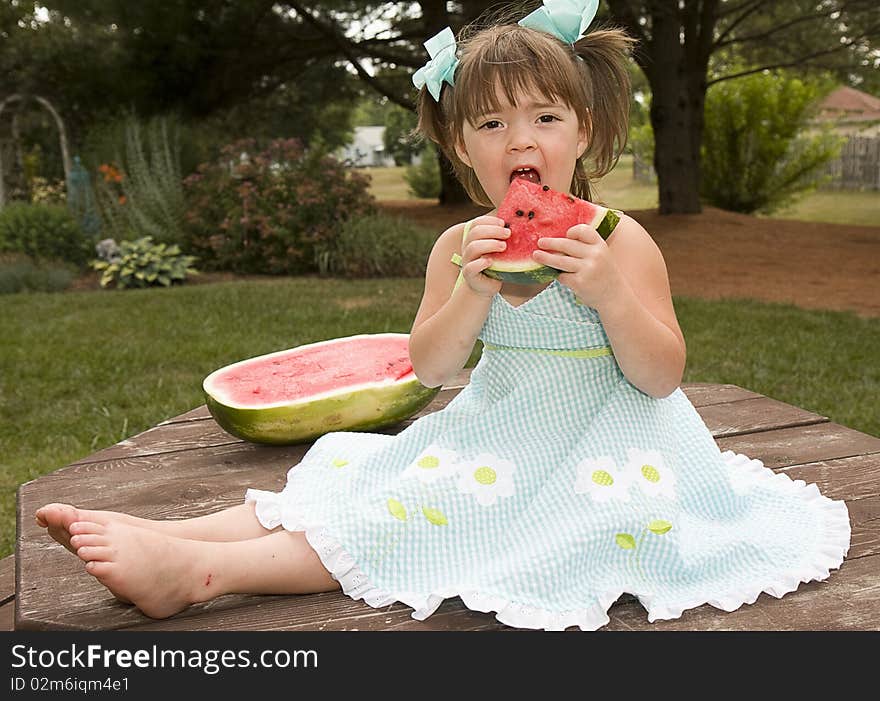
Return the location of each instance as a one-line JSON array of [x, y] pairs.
[[367, 148], [851, 111], [855, 115]]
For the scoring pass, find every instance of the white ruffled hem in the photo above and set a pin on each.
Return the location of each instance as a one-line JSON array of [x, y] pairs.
[[343, 568]]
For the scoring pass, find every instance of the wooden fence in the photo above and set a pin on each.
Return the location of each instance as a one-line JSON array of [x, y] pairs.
[[858, 167]]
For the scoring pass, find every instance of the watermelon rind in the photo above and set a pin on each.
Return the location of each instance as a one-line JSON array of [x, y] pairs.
[[364, 407], [522, 273]]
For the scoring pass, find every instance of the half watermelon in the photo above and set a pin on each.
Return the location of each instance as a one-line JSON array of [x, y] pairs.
[[355, 383], [533, 211]]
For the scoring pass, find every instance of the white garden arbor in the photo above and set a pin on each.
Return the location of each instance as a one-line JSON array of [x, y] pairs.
[[62, 134]]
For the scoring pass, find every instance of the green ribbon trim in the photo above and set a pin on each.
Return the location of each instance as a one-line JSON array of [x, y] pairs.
[[579, 353]]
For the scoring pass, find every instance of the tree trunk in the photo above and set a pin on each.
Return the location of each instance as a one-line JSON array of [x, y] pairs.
[[678, 93], [677, 119], [451, 191]]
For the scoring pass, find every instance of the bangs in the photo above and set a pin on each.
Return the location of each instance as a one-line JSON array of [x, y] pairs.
[[508, 62]]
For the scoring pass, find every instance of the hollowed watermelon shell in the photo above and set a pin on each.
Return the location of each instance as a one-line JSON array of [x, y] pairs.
[[356, 383], [533, 211]]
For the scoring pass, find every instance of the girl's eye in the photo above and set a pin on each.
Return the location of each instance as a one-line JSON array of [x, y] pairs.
[[491, 124], [547, 118]]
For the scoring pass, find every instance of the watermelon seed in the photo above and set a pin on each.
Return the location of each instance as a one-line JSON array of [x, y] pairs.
[[531, 214], [519, 212], [506, 225], [545, 188]]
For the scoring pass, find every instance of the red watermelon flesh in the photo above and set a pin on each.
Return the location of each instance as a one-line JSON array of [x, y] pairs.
[[533, 211], [314, 370]]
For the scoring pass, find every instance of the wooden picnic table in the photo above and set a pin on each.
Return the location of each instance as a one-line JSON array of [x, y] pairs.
[[188, 466]]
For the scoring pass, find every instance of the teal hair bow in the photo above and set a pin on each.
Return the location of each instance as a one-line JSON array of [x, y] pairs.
[[441, 49], [565, 19]]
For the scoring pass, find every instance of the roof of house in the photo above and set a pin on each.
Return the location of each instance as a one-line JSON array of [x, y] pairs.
[[850, 105]]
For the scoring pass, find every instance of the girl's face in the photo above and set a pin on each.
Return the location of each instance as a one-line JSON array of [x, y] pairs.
[[539, 139]]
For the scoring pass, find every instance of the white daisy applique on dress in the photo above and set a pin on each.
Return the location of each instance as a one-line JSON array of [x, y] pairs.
[[650, 472], [601, 479], [432, 464], [487, 477]]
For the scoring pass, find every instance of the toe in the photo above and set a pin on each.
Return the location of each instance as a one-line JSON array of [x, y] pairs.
[[55, 514], [90, 539], [95, 553], [86, 528], [99, 568]]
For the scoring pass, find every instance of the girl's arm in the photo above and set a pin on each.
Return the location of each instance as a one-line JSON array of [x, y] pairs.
[[448, 321], [640, 320], [626, 281]]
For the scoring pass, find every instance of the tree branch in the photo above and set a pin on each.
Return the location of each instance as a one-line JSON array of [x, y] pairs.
[[813, 17], [800, 60], [344, 46], [750, 8]]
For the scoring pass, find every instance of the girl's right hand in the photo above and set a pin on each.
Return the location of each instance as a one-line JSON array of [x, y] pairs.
[[486, 236]]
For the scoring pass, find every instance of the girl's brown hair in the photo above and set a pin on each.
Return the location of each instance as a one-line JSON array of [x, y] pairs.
[[515, 59]]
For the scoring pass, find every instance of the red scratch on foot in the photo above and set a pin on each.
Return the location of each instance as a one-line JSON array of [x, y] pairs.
[[208, 580]]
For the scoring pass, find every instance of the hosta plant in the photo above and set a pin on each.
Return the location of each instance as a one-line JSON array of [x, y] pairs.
[[142, 263]]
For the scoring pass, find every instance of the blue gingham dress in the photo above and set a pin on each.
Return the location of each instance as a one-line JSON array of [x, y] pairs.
[[550, 486]]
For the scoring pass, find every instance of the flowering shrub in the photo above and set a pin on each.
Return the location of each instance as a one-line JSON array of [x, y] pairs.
[[270, 210]]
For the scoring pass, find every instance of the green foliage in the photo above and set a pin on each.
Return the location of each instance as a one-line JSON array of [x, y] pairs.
[[147, 199], [423, 178], [377, 245], [143, 263], [641, 145], [273, 209], [21, 274], [43, 232], [757, 154], [398, 139]]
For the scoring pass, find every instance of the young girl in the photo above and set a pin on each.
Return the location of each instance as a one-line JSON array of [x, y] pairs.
[[571, 469]]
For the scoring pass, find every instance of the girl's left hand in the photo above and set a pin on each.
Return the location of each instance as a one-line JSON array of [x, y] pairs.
[[587, 265]]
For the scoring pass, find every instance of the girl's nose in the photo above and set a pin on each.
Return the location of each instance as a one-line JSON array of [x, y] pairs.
[[521, 139]]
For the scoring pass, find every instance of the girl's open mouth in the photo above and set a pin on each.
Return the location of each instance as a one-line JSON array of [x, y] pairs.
[[529, 174]]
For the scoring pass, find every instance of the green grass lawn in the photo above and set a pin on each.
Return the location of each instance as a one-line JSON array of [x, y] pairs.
[[80, 371], [618, 189]]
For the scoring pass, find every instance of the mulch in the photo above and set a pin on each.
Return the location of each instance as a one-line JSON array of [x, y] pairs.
[[718, 254]]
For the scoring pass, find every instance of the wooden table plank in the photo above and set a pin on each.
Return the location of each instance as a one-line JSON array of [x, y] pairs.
[[753, 415], [850, 478], [795, 446]]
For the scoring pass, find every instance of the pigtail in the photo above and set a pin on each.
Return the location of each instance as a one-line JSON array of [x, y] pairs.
[[604, 53]]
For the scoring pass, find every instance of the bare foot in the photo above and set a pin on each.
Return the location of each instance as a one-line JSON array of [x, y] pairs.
[[155, 572]]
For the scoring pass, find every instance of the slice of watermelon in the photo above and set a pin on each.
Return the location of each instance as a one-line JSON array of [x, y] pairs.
[[355, 383], [533, 211]]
